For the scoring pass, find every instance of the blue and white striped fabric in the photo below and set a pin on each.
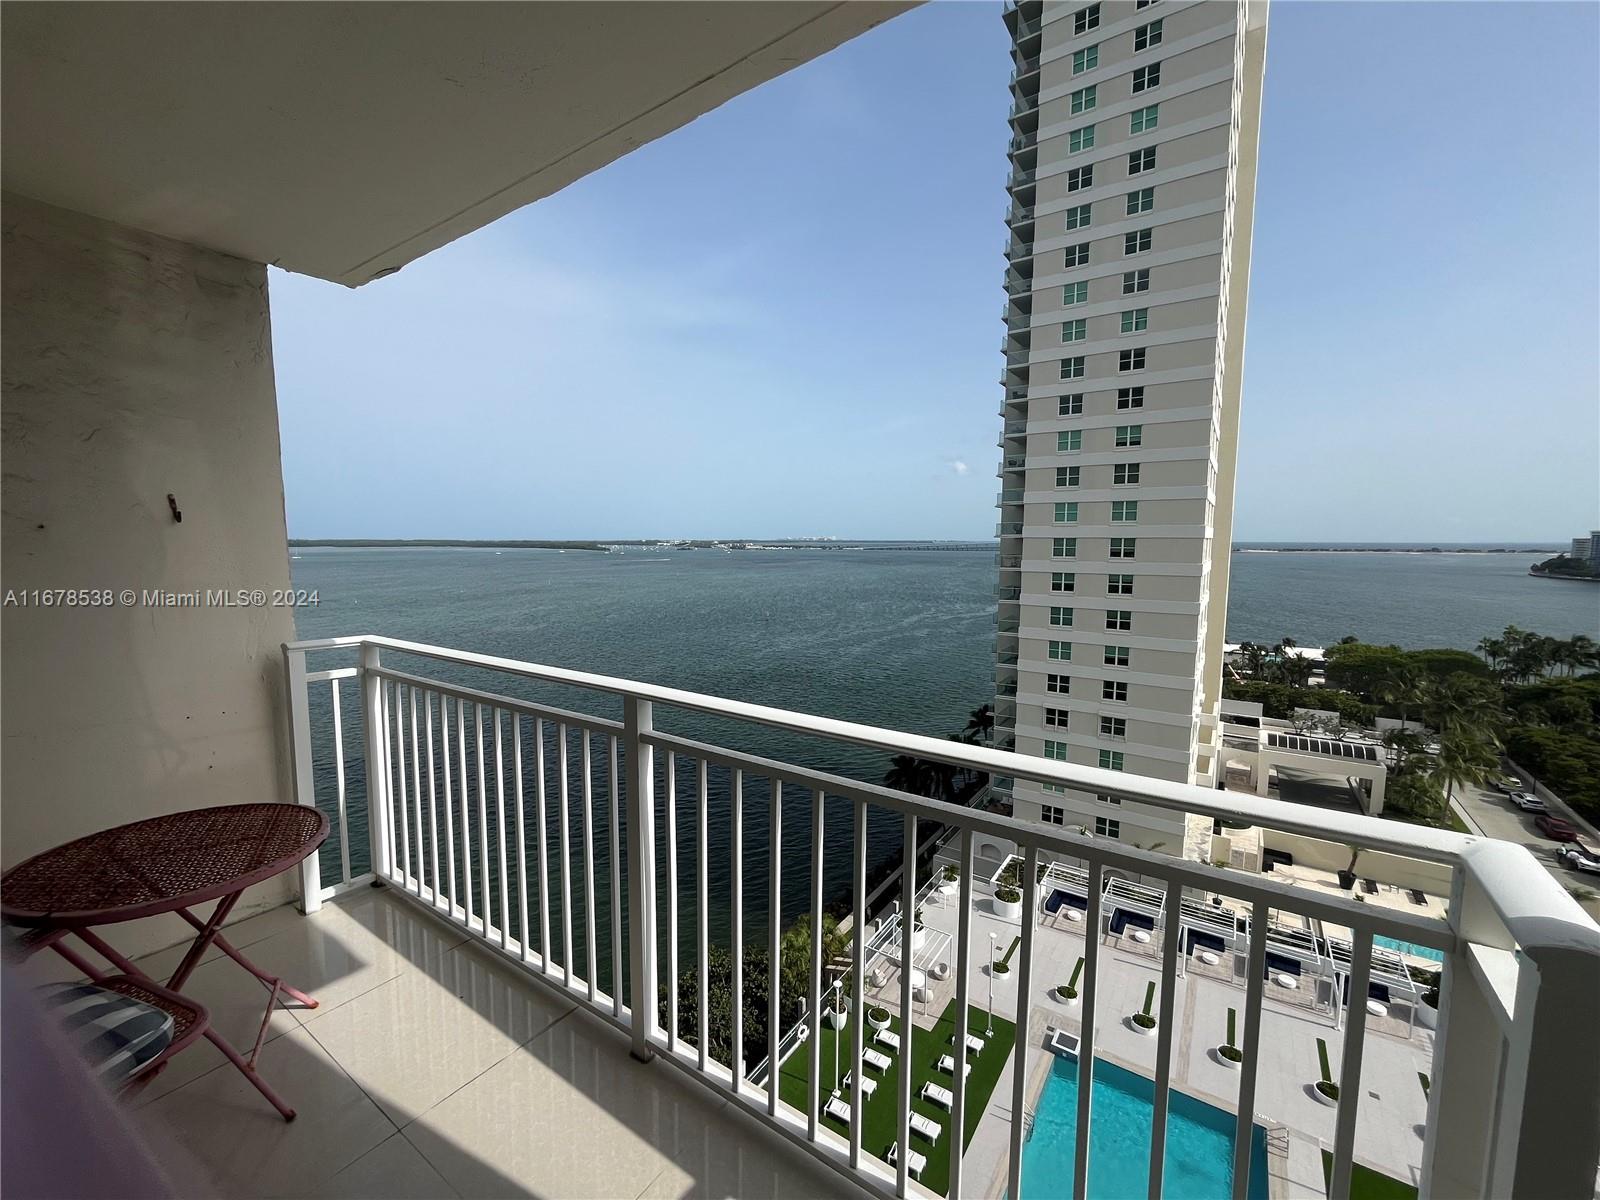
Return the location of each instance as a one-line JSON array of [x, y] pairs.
[[115, 1033]]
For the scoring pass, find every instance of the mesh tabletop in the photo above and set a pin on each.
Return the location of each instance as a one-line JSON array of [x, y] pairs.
[[160, 864]]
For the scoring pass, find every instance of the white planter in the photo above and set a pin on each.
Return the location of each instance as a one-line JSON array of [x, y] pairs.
[[1427, 1016], [919, 934], [1226, 1061], [877, 1022], [838, 1018], [1318, 1095], [949, 887], [1007, 910], [1070, 1003], [1141, 1030]]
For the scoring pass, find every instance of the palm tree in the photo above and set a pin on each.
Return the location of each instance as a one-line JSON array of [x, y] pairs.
[[1458, 703], [1493, 649], [1583, 651], [1467, 756], [1402, 688], [908, 774], [980, 725]]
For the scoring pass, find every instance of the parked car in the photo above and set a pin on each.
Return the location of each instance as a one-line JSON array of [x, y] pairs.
[[1555, 828], [1527, 802], [1579, 859], [1508, 783]]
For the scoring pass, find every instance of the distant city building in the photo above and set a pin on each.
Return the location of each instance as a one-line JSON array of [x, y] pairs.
[[1587, 549], [1133, 162]]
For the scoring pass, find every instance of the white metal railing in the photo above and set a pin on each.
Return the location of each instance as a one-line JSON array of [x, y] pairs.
[[460, 786]]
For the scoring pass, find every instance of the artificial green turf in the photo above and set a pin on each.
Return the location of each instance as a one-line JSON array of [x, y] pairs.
[[879, 1127], [1367, 1184]]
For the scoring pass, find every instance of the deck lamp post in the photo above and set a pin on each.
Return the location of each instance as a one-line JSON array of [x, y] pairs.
[[990, 1030], [836, 1000]]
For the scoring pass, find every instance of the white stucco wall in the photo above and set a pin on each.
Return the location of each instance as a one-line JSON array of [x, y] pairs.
[[134, 366]]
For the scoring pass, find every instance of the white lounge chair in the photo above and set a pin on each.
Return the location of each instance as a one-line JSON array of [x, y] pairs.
[[914, 1161], [889, 1038], [876, 1059], [942, 1096], [868, 1085], [837, 1109], [975, 1044], [927, 1127], [947, 1064]]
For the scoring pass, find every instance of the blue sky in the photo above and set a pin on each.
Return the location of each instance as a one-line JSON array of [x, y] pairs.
[[784, 318]]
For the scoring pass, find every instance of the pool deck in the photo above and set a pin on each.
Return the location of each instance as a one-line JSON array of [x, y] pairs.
[[1392, 1110]]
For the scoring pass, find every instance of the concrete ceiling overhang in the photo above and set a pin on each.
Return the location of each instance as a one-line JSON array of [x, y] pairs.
[[344, 140]]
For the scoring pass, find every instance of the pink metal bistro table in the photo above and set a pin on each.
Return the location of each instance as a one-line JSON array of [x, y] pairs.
[[166, 864]]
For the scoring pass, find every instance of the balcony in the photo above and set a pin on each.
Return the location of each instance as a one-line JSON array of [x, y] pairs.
[[1016, 285], [1020, 250], [1020, 214], [1010, 496], [1014, 428], [1025, 67], [1511, 941]]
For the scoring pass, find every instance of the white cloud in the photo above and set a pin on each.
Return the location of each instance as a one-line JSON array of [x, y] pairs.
[[959, 467]]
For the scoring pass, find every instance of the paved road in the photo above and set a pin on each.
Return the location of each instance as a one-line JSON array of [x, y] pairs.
[[1498, 817]]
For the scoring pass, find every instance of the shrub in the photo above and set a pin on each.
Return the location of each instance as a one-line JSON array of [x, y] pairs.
[[1144, 1020], [1008, 895], [877, 1013], [1231, 1053], [951, 873], [1330, 1090], [1067, 992], [1001, 967]]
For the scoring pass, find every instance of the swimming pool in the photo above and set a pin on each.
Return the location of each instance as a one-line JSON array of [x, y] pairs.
[[1427, 952], [1199, 1160]]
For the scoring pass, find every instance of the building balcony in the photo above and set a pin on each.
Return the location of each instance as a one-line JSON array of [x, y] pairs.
[[1008, 688], [1009, 496], [1025, 67], [1020, 214], [1008, 593], [1016, 285], [1014, 428], [1021, 178], [1021, 252], [1008, 529]]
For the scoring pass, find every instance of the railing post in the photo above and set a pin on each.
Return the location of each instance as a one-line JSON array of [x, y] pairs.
[[376, 768], [641, 805], [294, 664]]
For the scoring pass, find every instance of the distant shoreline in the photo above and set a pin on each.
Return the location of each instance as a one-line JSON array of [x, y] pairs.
[[641, 543]]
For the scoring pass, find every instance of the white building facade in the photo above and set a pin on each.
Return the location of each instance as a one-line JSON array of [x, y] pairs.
[[1133, 155]]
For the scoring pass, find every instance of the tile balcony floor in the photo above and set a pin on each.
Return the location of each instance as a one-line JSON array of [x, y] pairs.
[[430, 1069]]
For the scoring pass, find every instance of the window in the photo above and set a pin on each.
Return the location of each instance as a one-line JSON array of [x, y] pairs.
[[1056, 718], [1124, 474], [1138, 4], [1061, 651], [1141, 201], [1135, 320], [1054, 789], [1116, 656], [1119, 620], [1072, 368], [1069, 441], [1136, 242], [1130, 397], [1119, 585], [1060, 685], [1124, 511], [1078, 217], [1107, 828], [1080, 177], [1086, 59], [1080, 139], [1105, 799], [1074, 331], [1067, 513], [1130, 435], [1067, 476], [1145, 36], [1135, 281], [1086, 19], [1074, 293], [1063, 581], [1064, 547], [1052, 815], [1143, 120], [1083, 100], [1070, 406], [1142, 160], [1114, 690], [1055, 750], [1131, 360], [1124, 547], [1110, 760], [1114, 727], [1076, 256], [1145, 78], [1060, 617]]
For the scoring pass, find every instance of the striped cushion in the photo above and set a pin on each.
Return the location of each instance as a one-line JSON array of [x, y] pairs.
[[116, 1034]]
